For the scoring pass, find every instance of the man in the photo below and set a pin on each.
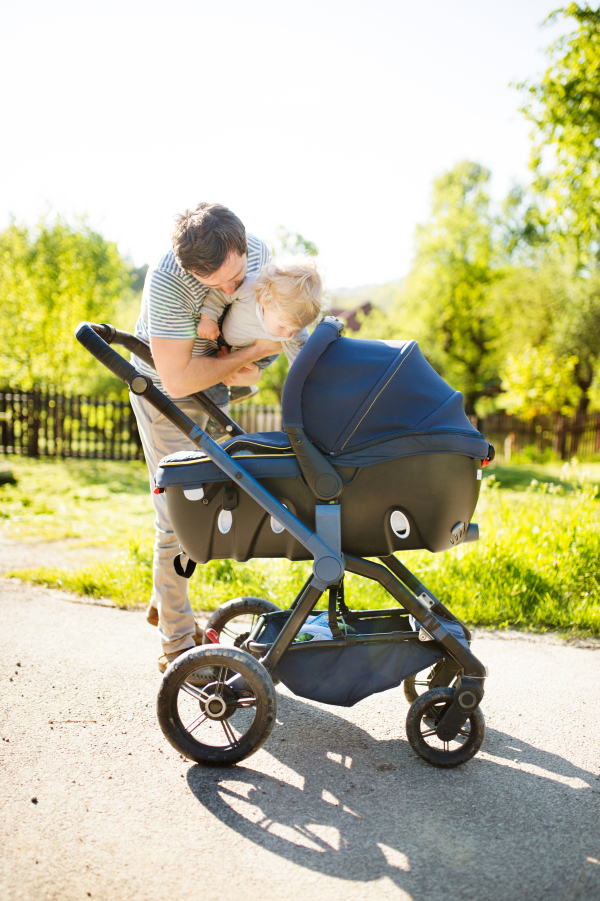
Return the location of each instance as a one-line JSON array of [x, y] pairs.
[[210, 250]]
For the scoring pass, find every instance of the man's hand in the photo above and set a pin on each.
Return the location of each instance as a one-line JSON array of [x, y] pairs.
[[265, 348], [247, 375], [208, 328]]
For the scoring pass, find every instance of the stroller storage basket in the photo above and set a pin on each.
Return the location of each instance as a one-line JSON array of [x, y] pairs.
[[344, 671]]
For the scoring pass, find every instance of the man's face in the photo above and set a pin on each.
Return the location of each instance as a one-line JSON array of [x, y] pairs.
[[229, 277]]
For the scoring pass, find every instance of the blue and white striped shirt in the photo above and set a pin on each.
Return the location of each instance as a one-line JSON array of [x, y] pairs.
[[171, 303]]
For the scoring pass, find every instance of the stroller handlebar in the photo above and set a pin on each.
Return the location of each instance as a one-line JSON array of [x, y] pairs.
[[97, 340], [94, 339]]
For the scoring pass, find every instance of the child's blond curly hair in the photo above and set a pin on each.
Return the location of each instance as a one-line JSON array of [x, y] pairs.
[[292, 285]]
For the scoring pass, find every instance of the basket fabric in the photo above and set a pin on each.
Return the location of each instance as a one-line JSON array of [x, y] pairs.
[[332, 674]]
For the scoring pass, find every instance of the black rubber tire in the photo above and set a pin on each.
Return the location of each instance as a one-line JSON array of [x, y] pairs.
[[432, 705], [409, 686], [236, 661], [237, 607]]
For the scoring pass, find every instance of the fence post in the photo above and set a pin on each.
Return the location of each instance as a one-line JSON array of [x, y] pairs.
[[33, 424]]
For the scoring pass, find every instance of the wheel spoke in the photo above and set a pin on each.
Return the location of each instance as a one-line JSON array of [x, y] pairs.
[[195, 723], [429, 732], [229, 732], [220, 680], [243, 702], [194, 692]]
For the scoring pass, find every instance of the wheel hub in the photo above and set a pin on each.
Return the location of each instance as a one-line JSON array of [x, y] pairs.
[[215, 707]]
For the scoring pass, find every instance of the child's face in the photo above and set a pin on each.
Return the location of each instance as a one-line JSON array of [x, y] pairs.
[[276, 324]]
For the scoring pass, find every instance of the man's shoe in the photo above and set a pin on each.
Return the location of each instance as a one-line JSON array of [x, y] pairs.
[[199, 678], [238, 393], [165, 659]]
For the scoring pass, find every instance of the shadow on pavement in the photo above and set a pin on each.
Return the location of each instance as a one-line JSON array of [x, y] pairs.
[[341, 803]]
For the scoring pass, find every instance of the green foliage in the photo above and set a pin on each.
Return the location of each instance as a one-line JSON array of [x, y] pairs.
[[293, 242], [50, 280], [80, 500], [554, 309], [536, 383], [565, 111], [445, 301], [272, 381]]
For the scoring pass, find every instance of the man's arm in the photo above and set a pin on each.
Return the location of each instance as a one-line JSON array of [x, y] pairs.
[[183, 374]]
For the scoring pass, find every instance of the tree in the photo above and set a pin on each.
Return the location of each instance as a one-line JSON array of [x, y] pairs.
[[446, 299], [553, 309], [565, 111], [293, 242], [50, 280], [536, 383]]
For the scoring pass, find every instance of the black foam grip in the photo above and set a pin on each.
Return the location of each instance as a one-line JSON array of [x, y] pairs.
[[98, 347]]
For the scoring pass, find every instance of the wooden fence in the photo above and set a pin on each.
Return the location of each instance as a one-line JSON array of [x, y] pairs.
[[563, 437], [49, 424]]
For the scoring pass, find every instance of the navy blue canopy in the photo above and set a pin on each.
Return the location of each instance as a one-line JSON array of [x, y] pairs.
[[364, 402]]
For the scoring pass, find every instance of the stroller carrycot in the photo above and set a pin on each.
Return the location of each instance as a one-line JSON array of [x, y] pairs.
[[395, 432]]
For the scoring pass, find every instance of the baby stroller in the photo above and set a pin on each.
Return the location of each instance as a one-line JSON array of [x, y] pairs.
[[376, 456]]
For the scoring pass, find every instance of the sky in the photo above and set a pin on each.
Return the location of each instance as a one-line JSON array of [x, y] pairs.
[[329, 117]]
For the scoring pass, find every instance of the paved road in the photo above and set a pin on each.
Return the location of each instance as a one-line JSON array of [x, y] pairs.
[[336, 806]]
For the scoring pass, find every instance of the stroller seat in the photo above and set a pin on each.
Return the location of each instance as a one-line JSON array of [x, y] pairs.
[[262, 454], [384, 424]]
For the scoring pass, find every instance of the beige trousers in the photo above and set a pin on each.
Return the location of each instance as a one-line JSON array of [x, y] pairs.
[[176, 624]]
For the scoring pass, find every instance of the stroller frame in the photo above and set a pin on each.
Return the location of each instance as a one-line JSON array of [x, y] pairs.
[[323, 545]]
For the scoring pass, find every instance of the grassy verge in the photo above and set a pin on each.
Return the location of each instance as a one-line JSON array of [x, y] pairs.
[[537, 565]]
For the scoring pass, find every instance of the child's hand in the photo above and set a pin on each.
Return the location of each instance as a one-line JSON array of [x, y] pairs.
[[208, 328]]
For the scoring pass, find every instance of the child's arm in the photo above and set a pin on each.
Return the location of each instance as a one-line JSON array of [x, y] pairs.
[[211, 311], [208, 328]]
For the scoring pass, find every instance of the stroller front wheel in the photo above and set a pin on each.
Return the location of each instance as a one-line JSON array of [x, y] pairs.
[[421, 723], [217, 705]]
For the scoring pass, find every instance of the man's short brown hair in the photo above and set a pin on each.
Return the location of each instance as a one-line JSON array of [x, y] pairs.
[[204, 238]]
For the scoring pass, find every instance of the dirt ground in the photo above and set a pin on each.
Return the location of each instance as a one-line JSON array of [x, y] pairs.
[[95, 803]]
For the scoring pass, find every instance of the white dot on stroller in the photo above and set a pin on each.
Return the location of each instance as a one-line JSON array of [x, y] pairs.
[[400, 524], [194, 494], [276, 525], [225, 521]]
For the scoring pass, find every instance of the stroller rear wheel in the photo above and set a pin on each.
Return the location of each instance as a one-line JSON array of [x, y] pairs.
[[234, 620], [421, 723], [440, 674], [223, 717]]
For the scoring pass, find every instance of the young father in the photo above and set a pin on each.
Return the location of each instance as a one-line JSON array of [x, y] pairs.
[[210, 250]]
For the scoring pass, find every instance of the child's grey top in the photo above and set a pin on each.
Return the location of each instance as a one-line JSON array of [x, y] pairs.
[[244, 323]]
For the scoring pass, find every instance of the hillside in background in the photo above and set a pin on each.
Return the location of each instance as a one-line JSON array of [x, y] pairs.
[[382, 296]]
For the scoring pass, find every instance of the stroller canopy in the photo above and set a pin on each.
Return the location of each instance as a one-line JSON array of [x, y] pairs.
[[369, 401]]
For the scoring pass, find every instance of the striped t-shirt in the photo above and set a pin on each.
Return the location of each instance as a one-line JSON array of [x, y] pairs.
[[171, 303]]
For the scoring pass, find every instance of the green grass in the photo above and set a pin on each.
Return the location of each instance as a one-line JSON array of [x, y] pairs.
[[537, 565], [102, 502]]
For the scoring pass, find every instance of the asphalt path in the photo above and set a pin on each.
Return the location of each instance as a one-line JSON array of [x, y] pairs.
[[95, 803]]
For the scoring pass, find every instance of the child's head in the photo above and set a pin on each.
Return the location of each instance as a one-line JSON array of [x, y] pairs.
[[290, 292]]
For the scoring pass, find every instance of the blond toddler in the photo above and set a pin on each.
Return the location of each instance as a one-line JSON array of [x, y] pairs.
[[278, 303]]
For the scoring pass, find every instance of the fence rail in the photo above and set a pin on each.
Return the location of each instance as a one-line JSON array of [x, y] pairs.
[[49, 424], [563, 437]]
